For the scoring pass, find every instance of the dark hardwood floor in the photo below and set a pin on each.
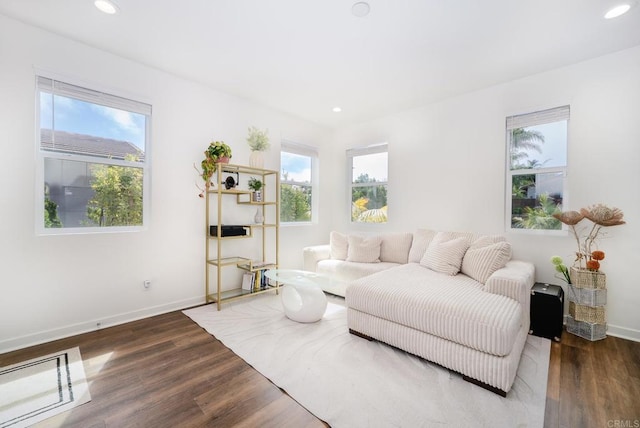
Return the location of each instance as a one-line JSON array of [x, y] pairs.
[[166, 371]]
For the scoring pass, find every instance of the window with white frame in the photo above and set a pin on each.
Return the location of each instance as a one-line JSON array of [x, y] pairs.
[[368, 168], [298, 172], [536, 168], [93, 163]]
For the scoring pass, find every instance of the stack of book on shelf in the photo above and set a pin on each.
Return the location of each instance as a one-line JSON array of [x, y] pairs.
[[255, 281]]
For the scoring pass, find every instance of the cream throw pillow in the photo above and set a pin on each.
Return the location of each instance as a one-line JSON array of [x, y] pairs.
[[445, 256], [485, 256], [395, 247], [363, 250], [338, 245]]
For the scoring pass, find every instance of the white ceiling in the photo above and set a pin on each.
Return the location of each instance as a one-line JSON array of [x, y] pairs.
[[305, 57]]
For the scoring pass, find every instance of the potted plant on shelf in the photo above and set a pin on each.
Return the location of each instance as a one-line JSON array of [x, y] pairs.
[[256, 186], [217, 152], [258, 142]]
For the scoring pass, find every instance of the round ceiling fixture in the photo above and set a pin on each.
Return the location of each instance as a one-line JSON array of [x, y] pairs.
[[106, 6], [615, 12], [361, 9], [337, 109]]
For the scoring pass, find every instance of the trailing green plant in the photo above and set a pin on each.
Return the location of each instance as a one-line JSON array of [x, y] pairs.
[[258, 140], [217, 150], [208, 165]]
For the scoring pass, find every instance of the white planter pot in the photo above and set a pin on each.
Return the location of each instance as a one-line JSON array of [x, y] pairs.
[[256, 160]]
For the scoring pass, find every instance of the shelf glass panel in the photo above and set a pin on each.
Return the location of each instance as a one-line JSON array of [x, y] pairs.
[[228, 261]]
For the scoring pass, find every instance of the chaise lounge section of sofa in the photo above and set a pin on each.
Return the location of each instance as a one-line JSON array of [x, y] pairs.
[[458, 300]]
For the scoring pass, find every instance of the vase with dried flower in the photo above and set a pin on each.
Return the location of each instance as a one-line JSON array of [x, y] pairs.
[[601, 216], [586, 283]]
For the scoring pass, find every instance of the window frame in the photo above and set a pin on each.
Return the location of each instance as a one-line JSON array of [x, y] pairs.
[[364, 151], [67, 87], [542, 117], [312, 153]]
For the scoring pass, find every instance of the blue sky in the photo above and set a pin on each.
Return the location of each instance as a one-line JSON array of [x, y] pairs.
[[297, 167], [72, 115]]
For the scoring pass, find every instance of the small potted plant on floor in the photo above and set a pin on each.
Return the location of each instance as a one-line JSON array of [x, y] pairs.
[[256, 186]]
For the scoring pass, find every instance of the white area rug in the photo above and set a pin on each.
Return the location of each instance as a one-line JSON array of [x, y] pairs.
[[38, 389], [348, 381]]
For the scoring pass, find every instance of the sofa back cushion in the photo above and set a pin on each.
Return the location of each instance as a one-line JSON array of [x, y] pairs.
[[338, 245], [421, 240], [444, 254], [486, 255], [363, 250], [395, 247]]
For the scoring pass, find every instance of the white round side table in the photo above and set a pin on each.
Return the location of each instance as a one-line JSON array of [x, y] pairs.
[[302, 298]]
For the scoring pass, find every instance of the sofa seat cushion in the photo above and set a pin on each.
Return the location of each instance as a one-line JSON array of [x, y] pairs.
[[348, 271], [451, 307]]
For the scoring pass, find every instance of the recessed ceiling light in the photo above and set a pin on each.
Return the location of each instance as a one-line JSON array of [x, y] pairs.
[[337, 109], [360, 9], [617, 11], [106, 6]]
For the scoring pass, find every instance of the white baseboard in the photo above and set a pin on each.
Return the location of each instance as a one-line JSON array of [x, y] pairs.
[[623, 332], [95, 324]]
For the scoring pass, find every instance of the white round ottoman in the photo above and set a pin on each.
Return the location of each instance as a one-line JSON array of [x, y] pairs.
[[302, 298]]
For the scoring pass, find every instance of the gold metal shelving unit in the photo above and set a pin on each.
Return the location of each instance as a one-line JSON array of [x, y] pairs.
[[217, 197]]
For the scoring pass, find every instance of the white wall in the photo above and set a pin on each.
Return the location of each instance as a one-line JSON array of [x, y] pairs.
[[447, 166], [53, 286]]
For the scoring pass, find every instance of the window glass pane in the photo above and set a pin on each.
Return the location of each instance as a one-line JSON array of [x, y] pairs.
[[540, 146], [100, 180], [534, 199], [84, 194], [295, 168], [369, 204], [296, 201], [370, 168], [90, 129]]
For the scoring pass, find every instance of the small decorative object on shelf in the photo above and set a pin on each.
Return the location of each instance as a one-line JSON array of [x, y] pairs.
[[259, 142], [259, 218], [587, 284]]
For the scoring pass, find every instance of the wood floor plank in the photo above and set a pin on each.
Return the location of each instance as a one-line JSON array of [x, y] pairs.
[[166, 371]]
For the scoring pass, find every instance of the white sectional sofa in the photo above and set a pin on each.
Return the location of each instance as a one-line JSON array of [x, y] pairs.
[[456, 299]]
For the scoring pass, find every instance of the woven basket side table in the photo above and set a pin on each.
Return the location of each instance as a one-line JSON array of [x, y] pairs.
[[587, 299]]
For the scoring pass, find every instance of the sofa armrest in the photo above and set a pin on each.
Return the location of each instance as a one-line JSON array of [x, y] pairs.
[[312, 255], [514, 280]]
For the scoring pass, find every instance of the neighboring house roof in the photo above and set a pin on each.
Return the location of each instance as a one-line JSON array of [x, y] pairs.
[[80, 144]]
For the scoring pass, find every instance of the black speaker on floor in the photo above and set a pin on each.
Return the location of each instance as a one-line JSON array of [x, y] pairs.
[[547, 310]]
